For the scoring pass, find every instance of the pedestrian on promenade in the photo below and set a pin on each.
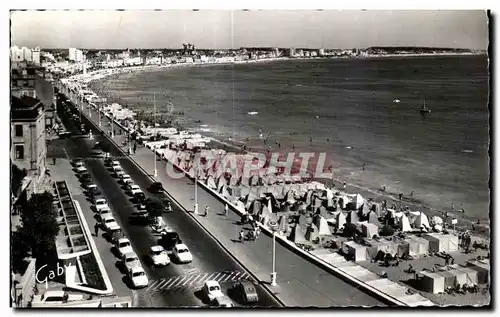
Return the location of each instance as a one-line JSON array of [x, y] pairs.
[[96, 228], [206, 211], [411, 194], [242, 236], [226, 208], [344, 186], [54, 160]]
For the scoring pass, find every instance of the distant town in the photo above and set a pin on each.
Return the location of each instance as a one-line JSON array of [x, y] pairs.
[[73, 60]]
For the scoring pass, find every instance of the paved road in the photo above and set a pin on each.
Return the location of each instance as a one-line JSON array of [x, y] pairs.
[[301, 283], [174, 285]]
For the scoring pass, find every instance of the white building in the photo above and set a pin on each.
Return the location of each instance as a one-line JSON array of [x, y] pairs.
[[16, 54], [35, 56], [75, 55]]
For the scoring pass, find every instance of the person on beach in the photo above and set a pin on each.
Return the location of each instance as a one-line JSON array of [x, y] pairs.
[[411, 194], [452, 206], [364, 166], [344, 185], [383, 188], [400, 196]]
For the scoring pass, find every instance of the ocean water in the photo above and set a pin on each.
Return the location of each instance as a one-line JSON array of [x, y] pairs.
[[346, 108]]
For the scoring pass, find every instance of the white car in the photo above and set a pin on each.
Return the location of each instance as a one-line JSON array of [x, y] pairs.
[[130, 260], [119, 172], [134, 189], [104, 212], [80, 168], [115, 165], [100, 204], [55, 297], [124, 177], [123, 246], [181, 253], [158, 255], [128, 183], [138, 277], [223, 301], [212, 290], [110, 223]]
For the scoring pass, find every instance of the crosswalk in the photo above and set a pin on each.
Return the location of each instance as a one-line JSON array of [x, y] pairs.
[[196, 280]]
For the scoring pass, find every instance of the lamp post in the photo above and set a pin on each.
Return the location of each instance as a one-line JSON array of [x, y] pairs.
[[99, 114], [196, 190], [273, 225], [112, 125], [155, 172], [81, 107]]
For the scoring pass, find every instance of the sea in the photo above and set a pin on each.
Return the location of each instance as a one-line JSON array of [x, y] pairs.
[[359, 111]]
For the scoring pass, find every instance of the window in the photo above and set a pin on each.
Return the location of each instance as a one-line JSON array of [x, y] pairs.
[[19, 130], [19, 152]]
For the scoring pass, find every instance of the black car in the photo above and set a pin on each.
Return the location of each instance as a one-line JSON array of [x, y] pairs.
[[156, 188], [93, 191], [87, 182], [245, 292], [152, 204], [169, 239], [140, 197]]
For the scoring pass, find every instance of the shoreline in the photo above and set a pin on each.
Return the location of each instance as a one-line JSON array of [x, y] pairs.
[[375, 193]]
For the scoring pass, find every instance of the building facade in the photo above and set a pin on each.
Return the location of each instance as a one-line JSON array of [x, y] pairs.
[[35, 55], [28, 149], [75, 55], [31, 82]]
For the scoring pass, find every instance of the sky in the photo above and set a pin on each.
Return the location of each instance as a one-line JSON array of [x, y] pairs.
[[234, 29]]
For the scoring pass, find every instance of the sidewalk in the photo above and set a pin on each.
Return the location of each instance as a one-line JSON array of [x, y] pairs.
[[300, 283], [63, 171]]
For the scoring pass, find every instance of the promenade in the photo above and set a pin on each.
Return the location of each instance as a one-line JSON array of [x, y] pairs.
[[300, 282]]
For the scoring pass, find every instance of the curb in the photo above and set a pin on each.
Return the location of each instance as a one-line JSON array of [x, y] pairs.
[[177, 203]]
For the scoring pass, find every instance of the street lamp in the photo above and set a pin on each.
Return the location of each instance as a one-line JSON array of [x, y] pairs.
[[99, 114], [196, 190], [273, 225], [112, 125], [155, 172]]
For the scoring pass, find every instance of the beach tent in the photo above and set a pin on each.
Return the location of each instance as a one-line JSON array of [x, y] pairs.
[[421, 221], [340, 220], [460, 276], [317, 202], [431, 282], [369, 230], [255, 180], [221, 181], [302, 206], [377, 209], [365, 209], [255, 207], [372, 218], [482, 268], [250, 197], [417, 246], [210, 181], [404, 224], [299, 234], [354, 250], [437, 220], [234, 181], [309, 197], [227, 193], [441, 242], [359, 201], [290, 196], [285, 207], [352, 216], [471, 275], [323, 227], [343, 200], [283, 223], [450, 279]]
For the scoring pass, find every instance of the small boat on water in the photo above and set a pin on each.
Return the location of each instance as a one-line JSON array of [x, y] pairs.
[[423, 108], [253, 113]]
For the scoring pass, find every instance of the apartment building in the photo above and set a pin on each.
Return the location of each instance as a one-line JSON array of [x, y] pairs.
[[32, 82], [28, 149], [76, 55]]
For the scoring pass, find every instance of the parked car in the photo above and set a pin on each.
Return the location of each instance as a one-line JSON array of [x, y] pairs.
[[108, 161], [109, 223], [139, 196], [212, 290], [141, 206], [100, 204], [123, 246], [156, 188], [223, 301], [104, 212], [115, 165], [169, 239], [74, 162], [80, 168], [86, 182], [138, 277], [93, 191], [158, 255], [245, 292], [124, 177], [134, 189], [118, 173], [130, 260], [55, 297], [181, 253], [141, 216]]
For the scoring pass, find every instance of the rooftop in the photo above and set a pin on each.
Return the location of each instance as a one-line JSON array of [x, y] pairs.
[[25, 108]]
